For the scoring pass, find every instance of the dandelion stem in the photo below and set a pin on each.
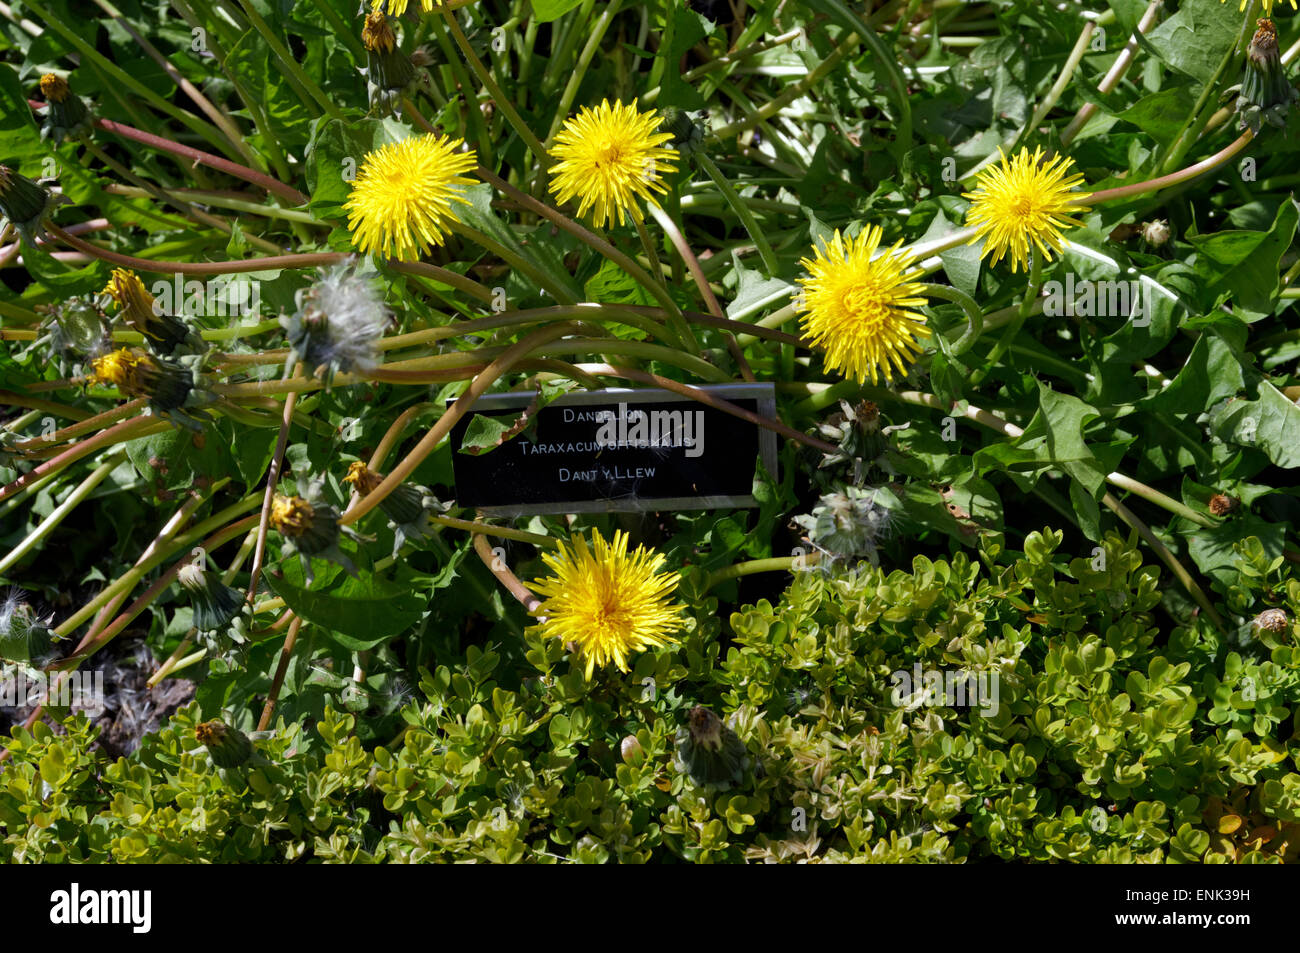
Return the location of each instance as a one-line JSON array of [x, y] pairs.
[[272, 479], [198, 267], [274, 186], [277, 681], [1168, 558], [503, 574], [743, 212], [1164, 181], [974, 316], [126, 430], [599, 244], [498, 97], [704, 397], [51, 522], [749, 568]]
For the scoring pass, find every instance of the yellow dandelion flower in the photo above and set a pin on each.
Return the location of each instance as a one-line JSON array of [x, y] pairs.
[[1023, 200], [1268, 6], [130, 295], [398, 7], [291, 515], [859, 306], [401, 201], [55, 88], [609, 157], [607, 602], [124, 369]]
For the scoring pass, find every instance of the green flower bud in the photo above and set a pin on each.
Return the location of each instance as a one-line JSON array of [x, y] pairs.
[[66, 116], [23, 203], [227, 747], [1265, 90], [709, 752], [215, 604], [389, 71], [688, 135]]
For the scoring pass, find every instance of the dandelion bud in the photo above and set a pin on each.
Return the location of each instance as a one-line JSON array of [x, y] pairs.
[[1265, 90], [227, 747], [408, 507], [141, 312], [312, 529], [23, 203], [709, 752], [66, 116], [389, 71], [215, 604], [687, 134], [1155, 233]]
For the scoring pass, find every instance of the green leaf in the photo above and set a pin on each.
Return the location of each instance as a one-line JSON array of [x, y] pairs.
[[612, 285], [689, 28], [23, 149], [1213, 372], [1054, 438], [174, 459], [1246, 262], [544, 255], [1270, 423], [358, 613], [485, 433], [1212, 549], [1161, 115], [1195, 39], [545, 10], [754, 290]]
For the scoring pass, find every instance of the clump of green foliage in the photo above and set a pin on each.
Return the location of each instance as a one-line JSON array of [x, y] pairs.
[[1115, 739]]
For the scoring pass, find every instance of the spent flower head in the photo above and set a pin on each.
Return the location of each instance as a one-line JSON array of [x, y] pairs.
[[1024, 201], [401, 202], [338, 324], [1266, 93], [310, 527], [611, 157], [609, 603], [859, 306]]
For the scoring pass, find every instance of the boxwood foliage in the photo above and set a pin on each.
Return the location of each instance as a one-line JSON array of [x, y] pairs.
[[1117, 737]]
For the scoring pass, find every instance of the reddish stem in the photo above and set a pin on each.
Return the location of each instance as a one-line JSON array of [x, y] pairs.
[[198, 267]]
